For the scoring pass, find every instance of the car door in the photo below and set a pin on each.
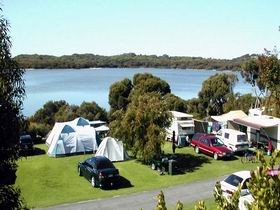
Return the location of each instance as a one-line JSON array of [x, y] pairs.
[[244, 188], [205, 146], [88, 170]]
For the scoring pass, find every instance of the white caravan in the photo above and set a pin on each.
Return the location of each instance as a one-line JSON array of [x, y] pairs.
[[183, 125], [235, 140]]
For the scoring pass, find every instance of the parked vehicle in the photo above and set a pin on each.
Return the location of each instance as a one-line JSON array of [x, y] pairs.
[[100, 171], [230, 184], [209, 144], [25, 144], [183, 126], [234, 140]]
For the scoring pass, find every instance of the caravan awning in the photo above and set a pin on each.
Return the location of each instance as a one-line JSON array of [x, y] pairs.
[[185, 125], [258, 122], [229, 116]]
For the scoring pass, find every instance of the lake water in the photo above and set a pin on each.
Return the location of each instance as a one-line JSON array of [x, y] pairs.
[[78, 85]]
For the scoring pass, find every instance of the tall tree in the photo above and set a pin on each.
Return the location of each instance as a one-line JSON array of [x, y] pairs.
[[11, 96], [147, 83], [118, 95], [142, 126], [215, 92], [264, 71]]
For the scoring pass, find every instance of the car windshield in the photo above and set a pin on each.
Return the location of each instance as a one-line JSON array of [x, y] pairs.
[[234, 180], [25, 139], [104, 164], [216, 142]]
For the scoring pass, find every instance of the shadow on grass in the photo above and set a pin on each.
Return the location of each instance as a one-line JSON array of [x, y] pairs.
[[122, 183], [35, 151], [187, 162]]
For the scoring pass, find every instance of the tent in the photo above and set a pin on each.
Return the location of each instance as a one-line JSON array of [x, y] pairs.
[[112, 149], [71, 137], [224, 118]]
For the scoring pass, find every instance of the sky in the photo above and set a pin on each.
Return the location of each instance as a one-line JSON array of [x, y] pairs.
[[203, 28]]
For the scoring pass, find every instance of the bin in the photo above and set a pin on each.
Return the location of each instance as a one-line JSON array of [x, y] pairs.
[[171, 167]]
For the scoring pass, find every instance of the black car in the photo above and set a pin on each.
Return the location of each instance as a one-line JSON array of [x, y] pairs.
[[100, 171], [25, 143]]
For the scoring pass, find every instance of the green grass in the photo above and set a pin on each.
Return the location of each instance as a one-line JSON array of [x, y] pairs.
[[46, 181]]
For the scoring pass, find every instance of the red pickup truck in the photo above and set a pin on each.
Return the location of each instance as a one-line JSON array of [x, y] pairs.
[[210, 145]]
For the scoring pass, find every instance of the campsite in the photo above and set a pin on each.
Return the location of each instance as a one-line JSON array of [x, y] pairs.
[[55, 178], [56, 181]]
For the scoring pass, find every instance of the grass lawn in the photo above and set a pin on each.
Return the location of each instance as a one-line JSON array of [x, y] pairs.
[[46, 181]]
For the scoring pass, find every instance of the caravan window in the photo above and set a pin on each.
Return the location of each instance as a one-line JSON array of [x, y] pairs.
[[227, 135], [241, 138]]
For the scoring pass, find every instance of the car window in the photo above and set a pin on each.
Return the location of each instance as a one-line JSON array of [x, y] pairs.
[[234, 180], [26, 139], [89, 164], [104, 164], [216, 142], [244, 186], [205, 141]]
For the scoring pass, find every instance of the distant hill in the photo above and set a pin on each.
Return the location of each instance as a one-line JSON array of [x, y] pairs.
[[129, 60]]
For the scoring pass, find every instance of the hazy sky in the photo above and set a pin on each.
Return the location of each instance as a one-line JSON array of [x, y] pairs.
[[206, 28]]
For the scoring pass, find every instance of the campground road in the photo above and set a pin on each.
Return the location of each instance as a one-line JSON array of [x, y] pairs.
[[147, 200]]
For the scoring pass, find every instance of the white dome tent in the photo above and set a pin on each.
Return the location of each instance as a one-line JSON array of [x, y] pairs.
[[112, 149], [71, 137]]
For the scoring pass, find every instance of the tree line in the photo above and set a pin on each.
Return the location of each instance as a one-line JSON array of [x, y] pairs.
[[128, 60]]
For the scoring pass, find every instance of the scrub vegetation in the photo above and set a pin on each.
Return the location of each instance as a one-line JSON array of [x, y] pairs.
[[128, 60]]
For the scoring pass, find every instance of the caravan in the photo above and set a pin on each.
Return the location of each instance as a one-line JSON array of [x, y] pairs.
[[234, 140], [183, 125]]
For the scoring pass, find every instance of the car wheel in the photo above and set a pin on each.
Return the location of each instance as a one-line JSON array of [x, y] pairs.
[[79, 171], [93, 182], [216, 156], [154, 166], [196, 150]]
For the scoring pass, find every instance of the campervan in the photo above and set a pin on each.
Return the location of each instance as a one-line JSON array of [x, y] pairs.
[[235, 140], [183, 126]]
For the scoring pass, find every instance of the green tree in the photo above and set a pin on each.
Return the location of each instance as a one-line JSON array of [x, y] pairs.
[[11, 97], [147, 83], [142, 126], [92, 111], [239, 102], [175, 103], [46, 115], [264, 72], [66, 113], [215, 92], [252, 74], [118, 94]]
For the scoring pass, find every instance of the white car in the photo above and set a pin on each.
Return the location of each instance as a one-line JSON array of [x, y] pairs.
[[230, 184]]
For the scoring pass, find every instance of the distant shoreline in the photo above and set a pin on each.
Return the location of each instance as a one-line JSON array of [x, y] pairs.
[[130, 60]]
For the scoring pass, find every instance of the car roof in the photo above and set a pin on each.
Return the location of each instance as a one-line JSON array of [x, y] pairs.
[[97, 159], [243, 174]]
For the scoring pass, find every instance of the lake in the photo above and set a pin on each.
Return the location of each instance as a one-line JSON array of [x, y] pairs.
[[78, 85]]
